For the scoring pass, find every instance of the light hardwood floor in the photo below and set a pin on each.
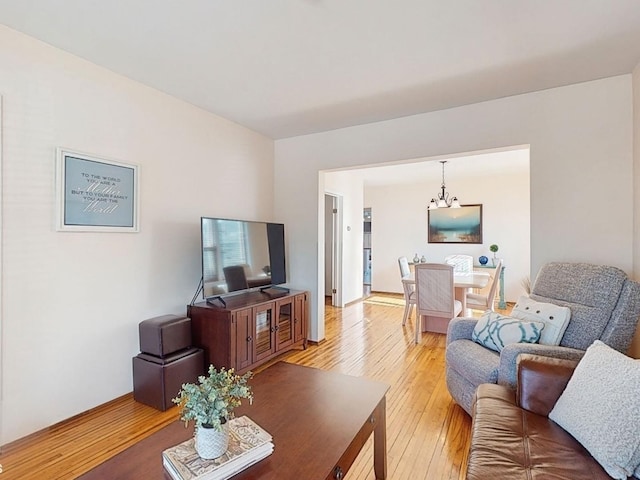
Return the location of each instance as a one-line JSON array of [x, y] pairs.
[[427, 433]]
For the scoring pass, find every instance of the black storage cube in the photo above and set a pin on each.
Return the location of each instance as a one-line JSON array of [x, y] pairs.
[[157, 380]]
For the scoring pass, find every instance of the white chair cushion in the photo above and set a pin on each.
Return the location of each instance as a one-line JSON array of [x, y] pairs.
[[457, 307], [476, 299]]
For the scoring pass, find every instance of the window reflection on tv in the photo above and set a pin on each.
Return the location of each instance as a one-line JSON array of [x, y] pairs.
[[241, 255]]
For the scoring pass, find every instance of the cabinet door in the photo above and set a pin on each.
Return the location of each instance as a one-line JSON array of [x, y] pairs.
[[284, 322], [244, 338], [264, 343], [300, 317]]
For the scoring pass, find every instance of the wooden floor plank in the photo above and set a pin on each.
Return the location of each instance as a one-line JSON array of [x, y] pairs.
[[427, 434]]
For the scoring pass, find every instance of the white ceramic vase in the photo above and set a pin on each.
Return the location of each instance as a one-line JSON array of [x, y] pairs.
[[211, 443]]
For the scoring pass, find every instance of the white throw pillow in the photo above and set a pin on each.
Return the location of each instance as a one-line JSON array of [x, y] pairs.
[[600, 407], [555, 318], [494, 331]]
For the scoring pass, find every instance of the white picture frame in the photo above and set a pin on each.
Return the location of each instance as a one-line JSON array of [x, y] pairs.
[[95, 194]]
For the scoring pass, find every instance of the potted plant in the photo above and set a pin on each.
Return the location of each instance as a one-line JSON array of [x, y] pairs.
[[210, 404], [494, 249]]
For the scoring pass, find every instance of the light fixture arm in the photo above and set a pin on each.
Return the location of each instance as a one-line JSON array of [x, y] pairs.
[[443, 200]]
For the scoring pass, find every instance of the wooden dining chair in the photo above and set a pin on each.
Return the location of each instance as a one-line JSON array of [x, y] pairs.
[[476, 301], [236, 278], [435, 297], [408, 286]]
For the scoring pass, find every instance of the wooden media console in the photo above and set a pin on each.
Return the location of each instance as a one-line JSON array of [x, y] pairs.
[[252, 328]]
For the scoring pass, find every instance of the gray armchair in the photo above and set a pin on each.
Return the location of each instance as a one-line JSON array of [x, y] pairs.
[[604, 303]]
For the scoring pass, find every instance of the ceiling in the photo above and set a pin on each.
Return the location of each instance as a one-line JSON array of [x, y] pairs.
[[458, 168], [292, 67]]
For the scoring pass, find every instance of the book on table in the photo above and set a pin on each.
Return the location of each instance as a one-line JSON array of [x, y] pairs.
[[248, 444]]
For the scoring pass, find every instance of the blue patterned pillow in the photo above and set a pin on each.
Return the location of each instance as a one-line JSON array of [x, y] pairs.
[[495, 331]]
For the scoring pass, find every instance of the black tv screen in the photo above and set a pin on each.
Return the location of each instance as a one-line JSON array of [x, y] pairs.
[[241, 255]]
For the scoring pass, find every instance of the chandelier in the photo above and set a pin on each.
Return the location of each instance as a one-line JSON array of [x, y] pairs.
[[443, 200]]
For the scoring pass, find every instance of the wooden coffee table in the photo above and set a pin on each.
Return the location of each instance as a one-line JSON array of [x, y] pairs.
[[319, 421]]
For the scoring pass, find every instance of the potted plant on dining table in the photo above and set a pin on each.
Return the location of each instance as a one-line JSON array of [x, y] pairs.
[[210, 404]]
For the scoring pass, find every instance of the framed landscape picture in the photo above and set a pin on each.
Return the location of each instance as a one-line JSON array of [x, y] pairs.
[[95, 194], [455, 225]]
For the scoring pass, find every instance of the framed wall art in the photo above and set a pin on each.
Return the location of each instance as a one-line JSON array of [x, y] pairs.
[[95, 194], [455, 225]]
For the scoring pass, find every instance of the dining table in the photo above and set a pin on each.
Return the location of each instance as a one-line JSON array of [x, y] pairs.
[[462, 282]]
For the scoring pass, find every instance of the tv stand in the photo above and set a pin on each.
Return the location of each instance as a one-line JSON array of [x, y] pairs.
[[274, 291], [212, 301], [251, 329]]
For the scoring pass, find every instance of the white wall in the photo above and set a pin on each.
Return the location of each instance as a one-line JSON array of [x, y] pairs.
[[399, 227], [635, 347], [581, 152], [71, 302]]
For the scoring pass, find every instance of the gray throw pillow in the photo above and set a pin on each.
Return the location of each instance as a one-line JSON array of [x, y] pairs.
[[600, 407]]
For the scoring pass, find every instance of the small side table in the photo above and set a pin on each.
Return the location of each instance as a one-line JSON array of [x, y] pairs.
[[501, 302]]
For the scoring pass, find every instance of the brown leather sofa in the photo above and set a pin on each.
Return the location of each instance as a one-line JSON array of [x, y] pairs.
[[512, 436]]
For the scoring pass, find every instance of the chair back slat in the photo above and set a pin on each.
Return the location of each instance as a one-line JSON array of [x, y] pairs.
[[404, 267], [460, 263], [491, 296]]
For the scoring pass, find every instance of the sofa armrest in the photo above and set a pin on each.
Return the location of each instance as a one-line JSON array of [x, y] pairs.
[[460, 328], [509, 354], [541, 381]]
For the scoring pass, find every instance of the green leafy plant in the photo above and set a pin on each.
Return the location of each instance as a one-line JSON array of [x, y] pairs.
[[494, 249], [210, 402]]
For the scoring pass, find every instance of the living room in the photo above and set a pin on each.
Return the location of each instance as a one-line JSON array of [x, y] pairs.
[[71, 302]]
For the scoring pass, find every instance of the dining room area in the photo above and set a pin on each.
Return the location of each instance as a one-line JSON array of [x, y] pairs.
[[491, 211], [482, 226], [434, 293]]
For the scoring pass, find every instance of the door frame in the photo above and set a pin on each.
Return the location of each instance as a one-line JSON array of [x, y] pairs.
[[2, 340], [336, 247]]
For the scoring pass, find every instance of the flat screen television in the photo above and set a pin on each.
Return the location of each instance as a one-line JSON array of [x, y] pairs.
[[241, 255]]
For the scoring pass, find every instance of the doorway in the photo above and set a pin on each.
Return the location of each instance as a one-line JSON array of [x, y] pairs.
[[333, 249], [366, 254]]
